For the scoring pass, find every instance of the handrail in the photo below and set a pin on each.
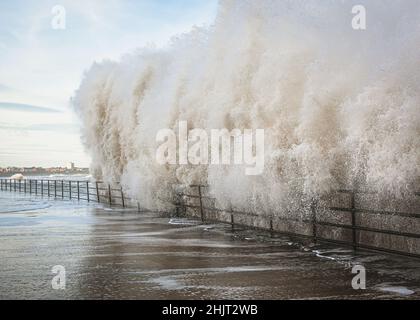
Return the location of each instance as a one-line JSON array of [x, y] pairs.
[[70, 190], [353, 210], [101, 192]]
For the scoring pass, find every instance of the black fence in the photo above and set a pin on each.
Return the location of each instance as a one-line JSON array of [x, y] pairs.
[[347, 223], [356, 233], [98, 191]]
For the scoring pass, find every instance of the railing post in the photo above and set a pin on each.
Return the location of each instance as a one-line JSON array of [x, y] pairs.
[[55, 188], [87, 191], [109, 194], [24, 186], [271, 228], [314, 221], [42, 188], [97, 192], [14, 184], [232, 222], [30, 186], [10, 184], [20, 186], [48, 185], [78, 190], [62, 189], [201, 204], [138, 207], [36, 187], [353, 218], [70, 190], [122, 197]]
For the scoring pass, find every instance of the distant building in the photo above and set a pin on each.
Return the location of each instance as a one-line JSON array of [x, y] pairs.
[[69, 169]]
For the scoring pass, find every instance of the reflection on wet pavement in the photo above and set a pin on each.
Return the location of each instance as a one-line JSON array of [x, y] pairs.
[[121, 254]]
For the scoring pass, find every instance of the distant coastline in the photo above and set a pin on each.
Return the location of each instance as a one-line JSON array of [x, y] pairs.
[[39, 171]]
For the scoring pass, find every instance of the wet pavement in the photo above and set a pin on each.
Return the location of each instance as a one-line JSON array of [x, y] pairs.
[[121, 254]]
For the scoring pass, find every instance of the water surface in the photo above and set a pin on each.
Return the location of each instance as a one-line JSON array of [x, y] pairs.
[[121, 254]]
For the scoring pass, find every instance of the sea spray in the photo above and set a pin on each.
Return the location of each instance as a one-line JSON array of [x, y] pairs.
[[340, 107]]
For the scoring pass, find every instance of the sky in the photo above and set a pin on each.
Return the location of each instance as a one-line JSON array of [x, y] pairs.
[[42, 66]]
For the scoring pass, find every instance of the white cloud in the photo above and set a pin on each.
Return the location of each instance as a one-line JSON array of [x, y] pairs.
[[45, 66]]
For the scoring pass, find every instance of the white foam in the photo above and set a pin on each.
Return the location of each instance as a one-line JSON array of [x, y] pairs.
[[337, 105], [17, 176], [399, 290]]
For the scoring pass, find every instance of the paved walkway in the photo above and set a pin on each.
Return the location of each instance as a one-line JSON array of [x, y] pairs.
[[114, 254]]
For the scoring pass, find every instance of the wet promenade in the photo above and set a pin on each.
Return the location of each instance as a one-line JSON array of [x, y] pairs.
[[121, 254]]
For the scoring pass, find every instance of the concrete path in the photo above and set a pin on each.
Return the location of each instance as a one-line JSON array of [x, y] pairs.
[[114, 254]]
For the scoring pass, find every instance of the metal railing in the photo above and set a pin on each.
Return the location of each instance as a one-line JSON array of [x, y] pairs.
[[97, 191], [356, 228], [353, 210], [100, 192]]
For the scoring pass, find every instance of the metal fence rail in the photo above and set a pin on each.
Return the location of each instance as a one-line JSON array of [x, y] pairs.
[[354, 211], [98, 191]]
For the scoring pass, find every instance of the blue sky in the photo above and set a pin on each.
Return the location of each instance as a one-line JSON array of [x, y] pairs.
[[42, 67]]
